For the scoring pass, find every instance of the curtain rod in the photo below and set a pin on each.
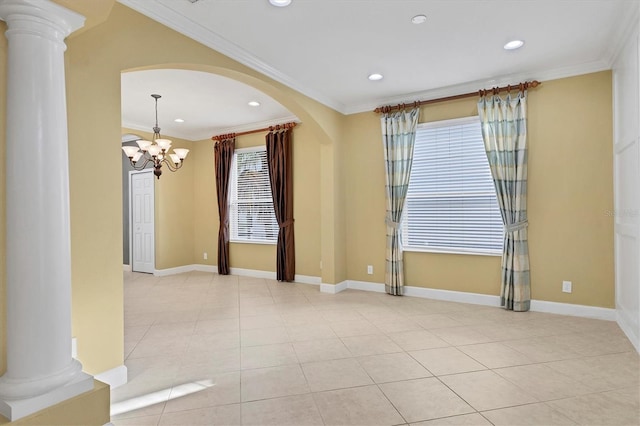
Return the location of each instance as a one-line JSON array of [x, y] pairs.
[[520, 87], [284, 126]]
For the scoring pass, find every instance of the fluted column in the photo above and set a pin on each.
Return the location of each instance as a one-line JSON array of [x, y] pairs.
[[40, 368]]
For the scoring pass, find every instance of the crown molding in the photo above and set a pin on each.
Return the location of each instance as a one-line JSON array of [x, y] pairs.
[[133, 126], [476, 85], [628, 25], [170, 18]]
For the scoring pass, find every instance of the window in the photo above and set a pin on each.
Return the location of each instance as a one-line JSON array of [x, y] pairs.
[[451, 203], [251, 207]]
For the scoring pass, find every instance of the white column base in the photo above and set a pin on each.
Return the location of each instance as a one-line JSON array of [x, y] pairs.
[[19, 408], [115, 377]]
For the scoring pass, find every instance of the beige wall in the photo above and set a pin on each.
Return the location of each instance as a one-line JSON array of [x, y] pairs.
[[174, 215], [94, 61], [570, 191], [93, 105], [205, 212], [306, 195], [338, 199]]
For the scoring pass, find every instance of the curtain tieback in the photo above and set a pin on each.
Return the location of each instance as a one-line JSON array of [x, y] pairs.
[[286, 223], [392, 224], [516, 226]]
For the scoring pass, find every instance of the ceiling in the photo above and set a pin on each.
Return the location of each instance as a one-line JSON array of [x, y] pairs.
[[327, 48], [209, 104]]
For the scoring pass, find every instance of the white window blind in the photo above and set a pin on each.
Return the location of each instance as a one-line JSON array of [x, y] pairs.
[[251, 216], [451, 203]]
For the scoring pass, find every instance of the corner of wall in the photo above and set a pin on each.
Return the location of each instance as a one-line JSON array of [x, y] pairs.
[[3, 83]]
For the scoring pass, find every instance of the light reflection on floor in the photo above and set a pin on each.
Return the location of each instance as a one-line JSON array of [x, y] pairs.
[[149, 399]]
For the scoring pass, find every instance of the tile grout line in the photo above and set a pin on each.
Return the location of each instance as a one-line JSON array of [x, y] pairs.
[[358, 305]]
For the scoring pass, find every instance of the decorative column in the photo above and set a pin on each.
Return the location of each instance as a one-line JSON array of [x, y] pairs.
[[40, 369]]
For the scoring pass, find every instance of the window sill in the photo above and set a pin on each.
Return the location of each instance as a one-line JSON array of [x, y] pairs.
[[452, 251], [261, 242]]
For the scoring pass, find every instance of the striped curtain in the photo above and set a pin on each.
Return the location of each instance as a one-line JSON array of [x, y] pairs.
[[398, 138], [504, 129]]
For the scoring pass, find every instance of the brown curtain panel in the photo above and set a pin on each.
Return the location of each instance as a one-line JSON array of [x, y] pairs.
[[281, 177], [223, 154]]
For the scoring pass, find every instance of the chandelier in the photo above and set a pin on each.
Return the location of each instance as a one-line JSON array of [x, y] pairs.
[[155, 151]]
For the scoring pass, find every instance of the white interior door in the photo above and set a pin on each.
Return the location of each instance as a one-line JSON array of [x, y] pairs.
[[142, 221]]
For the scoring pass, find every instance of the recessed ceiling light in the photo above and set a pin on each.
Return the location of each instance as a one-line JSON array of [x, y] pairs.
[[375, 77], [514, 44], [280, 3], [419, 19], [179, 120], [254, 103]]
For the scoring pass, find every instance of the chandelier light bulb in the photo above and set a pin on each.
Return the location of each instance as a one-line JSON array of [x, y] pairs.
[[181, 152], [154, 150], [143, 144], [164, 144], [130, 151]]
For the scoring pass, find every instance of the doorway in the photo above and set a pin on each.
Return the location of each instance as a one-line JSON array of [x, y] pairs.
[[142, 221]]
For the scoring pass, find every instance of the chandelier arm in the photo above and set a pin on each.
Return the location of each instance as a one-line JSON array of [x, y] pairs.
[[170, 165], [138, 165]]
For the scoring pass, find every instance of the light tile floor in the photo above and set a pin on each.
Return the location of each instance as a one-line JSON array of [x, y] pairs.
[[227, 350]]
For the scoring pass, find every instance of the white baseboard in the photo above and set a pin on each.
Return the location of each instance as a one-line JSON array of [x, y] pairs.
[[308, 279], [205, 268], [573, 310], [269, 275], [333, 288], [114, 377], [302, 279], [476, 299], [253, 273], [452, 296], [173, 271], [423, 292], [430, 293], [629, 328], [365, 286], [126, 268]]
